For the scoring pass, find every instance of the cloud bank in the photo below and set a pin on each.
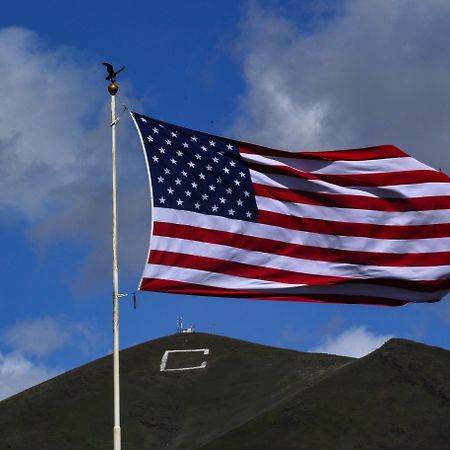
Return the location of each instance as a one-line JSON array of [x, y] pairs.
[[55, 155], [32, 341], [39, 336], [44, 121], [356, 342], [373, 72], [18, 373], [42, 336]]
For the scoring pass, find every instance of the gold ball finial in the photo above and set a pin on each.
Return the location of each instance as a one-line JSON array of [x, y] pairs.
[[113, 88]]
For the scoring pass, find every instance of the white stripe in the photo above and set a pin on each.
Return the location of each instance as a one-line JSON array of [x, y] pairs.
[[209, 278], [281, 234], [371, 166], [307, 266], [217, 280], [398, 191], [354, 215]]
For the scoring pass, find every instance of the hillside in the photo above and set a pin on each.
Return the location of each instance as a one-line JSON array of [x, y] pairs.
[[398, 397], [174, 410], [247, 397]]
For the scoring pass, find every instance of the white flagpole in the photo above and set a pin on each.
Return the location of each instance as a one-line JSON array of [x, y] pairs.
[[112, 89]]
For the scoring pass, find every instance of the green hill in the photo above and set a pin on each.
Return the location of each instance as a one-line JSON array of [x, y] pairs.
[[247, 397], [398, 397]]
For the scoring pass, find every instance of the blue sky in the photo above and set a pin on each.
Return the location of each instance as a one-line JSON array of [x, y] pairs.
[[308, 75]]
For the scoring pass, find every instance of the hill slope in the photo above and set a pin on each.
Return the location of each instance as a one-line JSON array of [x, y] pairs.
[[161, 410], [398, 397]]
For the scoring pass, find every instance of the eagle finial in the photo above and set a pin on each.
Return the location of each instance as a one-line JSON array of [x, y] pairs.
[[112, 88]]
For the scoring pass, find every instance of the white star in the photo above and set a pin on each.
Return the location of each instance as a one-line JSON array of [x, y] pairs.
[[168, 142], [179, 153], [143, 120], [155, 130], [248, 214], [162, 150], [160, 179], [162, 200], [194, 185], [185, 145], [173, 161], [197, 205], [228, 191], [160, 126], [194, 138], [202, 176], [212, 143], [179, 202], [170, 191], [173, 134], [191, 164], [246, 193], [212, 187], [239, 202], [221, 153], [166, 171], [184, 173], [203, 148], [229, 147], [226, 170], [237, 182], [205, 196], [150, 138], [222, 200], [208, 167], [198, 156], [232, 163], [219, 179], [177, 181], [215, 208], [231, 212], [242, 174], [155, 158], [215, 159], [188, 193]]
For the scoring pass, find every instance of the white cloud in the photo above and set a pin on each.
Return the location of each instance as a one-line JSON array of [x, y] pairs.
[[36, 339], [55, 155], [48, 101], [355, 341], [373, 72], [18, 373], [41, 336]]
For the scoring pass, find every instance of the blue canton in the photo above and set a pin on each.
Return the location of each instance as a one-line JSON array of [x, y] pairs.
[[197, 172]]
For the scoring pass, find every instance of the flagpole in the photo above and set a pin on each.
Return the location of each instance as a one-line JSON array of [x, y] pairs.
[[112, 89]]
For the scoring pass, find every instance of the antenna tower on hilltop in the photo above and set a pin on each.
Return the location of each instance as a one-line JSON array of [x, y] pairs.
[[179, 324]]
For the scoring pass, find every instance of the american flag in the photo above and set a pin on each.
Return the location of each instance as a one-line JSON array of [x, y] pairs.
[[234, 219]]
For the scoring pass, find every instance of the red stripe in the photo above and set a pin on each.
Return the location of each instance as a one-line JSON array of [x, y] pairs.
[[238, 269], [271, 246], [177, 287], [362, 154], [366, 180], [354, 229], [353, 201], [220, 266]]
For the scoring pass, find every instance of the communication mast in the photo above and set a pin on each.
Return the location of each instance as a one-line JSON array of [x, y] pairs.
[[179, 324], [180, 328]]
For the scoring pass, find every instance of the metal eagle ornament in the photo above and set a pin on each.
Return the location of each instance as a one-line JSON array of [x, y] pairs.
[[112, 88]]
